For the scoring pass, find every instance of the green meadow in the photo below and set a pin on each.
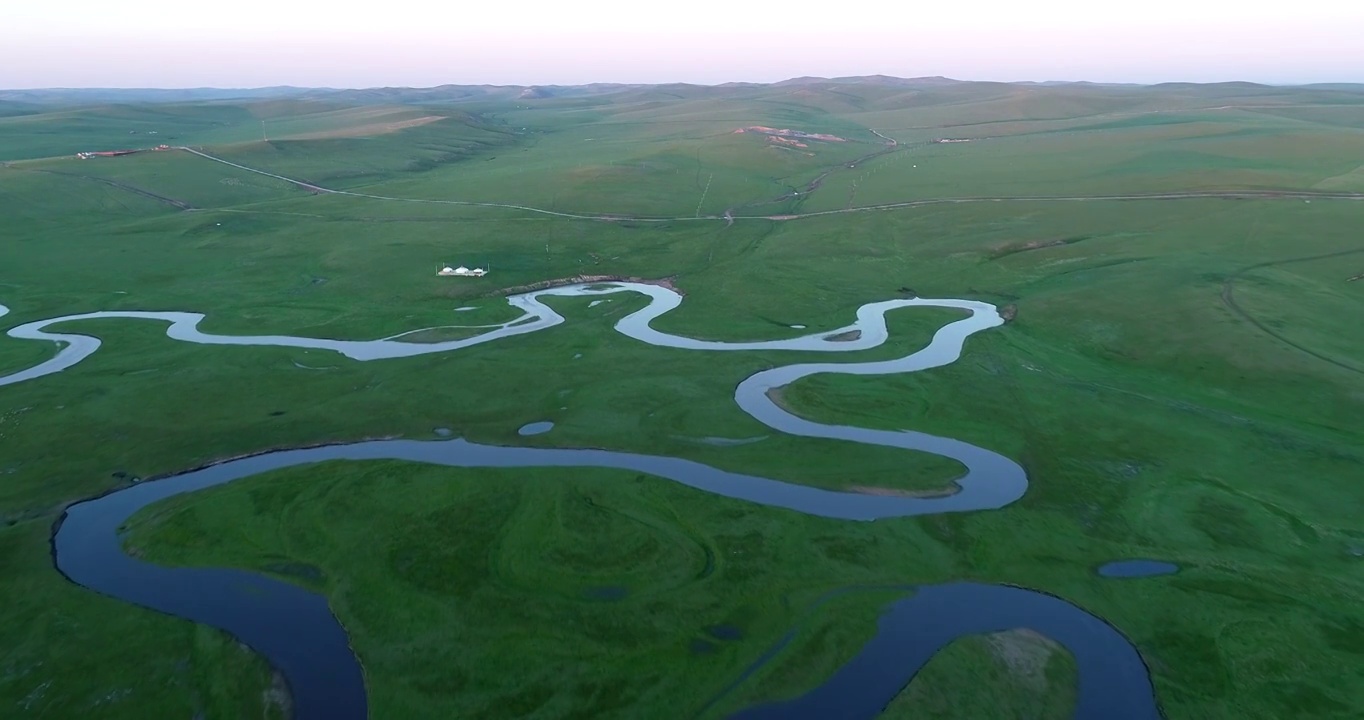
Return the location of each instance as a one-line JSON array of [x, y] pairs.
[[1182, 380]]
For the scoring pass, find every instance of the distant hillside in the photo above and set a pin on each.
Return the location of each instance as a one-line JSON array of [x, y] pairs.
[[88, 96], [449, 121], [10, 109], [351, 96], [1076, 83], [1345, 87], [48, 131], [885, 80], [19, 101]]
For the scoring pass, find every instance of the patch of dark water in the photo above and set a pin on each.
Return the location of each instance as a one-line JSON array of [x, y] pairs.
[[725, 632], [609, 593], [702, 647]]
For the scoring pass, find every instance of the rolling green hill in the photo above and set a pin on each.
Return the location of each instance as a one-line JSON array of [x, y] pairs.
[[1181, 380]]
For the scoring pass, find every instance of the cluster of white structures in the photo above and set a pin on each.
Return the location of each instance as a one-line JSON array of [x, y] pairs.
[[461, 271]]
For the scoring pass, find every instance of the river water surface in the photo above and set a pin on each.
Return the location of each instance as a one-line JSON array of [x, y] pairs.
[[296, 631]]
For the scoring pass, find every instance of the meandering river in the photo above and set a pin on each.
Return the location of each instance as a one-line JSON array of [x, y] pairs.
[[296, 631]]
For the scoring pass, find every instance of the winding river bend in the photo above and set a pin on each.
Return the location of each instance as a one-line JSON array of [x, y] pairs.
[[296, 631]]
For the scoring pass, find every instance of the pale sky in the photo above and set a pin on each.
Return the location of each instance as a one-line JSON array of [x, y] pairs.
[[252, 43]]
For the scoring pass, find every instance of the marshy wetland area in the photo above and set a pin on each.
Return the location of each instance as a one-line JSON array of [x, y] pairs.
[[827, 418]]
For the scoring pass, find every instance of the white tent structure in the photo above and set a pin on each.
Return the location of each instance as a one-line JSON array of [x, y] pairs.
[[461, 271]]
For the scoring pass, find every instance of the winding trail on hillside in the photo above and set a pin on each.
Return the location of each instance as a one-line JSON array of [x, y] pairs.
[[179, 204], [1191, 195], [1229, 300], [728, 217], [295, 630]]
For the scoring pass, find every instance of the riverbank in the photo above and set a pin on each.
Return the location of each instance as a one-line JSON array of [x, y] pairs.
[[666, 283], [323, 674]]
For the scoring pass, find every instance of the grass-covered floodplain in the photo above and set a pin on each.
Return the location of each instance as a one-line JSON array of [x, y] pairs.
[[1182, 380]]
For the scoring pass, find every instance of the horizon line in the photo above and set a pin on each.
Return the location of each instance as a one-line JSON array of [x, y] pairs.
[[728, 83]]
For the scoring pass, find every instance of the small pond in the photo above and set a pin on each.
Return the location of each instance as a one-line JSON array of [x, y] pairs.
[[536, 428]]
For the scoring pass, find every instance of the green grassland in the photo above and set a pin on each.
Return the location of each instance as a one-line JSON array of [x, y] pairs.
[[1183, 381], [1179, 153]]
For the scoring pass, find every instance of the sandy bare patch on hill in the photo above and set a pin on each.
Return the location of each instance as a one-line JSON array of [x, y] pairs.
[[1025, 652], [789, 133], [368, 130]]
